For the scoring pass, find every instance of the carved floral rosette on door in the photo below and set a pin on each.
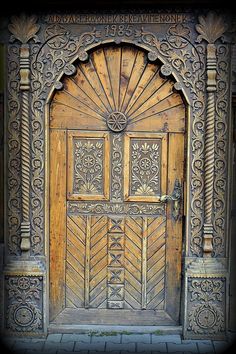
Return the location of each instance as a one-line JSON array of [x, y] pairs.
[[116, 161]]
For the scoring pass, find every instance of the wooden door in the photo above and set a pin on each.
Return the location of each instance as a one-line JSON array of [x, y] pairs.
[[116, 148]]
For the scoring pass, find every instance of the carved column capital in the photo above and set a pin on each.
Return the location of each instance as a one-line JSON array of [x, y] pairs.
[[210, 27], [23, 28]]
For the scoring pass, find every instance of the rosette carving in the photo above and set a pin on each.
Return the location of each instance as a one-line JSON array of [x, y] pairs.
[[24, 308]]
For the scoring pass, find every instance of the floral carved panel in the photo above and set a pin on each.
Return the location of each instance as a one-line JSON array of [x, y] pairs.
[[206, 307], [24, 307], [88, 166], [145, 167]]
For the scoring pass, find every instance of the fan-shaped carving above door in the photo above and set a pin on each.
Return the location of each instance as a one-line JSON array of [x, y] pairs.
[[118, 89]]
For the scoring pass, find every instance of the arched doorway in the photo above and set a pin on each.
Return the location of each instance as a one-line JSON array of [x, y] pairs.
[[116, 151]]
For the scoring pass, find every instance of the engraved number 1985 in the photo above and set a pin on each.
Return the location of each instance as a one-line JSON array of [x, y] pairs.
[[118, 30]]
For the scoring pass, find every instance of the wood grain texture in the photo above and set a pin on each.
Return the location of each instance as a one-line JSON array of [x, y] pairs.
[[98, 262], [126, 266], [75, 261], [57, 220], [174, 228]]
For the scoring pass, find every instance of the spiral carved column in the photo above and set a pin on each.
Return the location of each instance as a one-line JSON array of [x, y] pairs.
[[209, 151], [25, 147]]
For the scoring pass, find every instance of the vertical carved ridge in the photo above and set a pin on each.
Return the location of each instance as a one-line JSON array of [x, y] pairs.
[[25, 146], [23, 29], [209, 157], [209, 151], [210, 28]]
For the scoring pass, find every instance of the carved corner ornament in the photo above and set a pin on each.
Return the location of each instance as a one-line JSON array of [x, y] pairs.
[[210, 28], [23, 29]]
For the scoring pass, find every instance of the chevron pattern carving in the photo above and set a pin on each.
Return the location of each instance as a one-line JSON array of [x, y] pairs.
[[75, 260], [156, 234], [98, 262], [115, 262]]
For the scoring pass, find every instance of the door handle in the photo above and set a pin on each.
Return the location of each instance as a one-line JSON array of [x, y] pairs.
[[175, 198]]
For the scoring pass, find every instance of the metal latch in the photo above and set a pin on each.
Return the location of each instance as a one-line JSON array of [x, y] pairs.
[[176, 198]]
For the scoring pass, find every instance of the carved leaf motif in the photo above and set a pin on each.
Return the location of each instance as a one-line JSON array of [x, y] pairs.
[[24, 28], [210, 27]]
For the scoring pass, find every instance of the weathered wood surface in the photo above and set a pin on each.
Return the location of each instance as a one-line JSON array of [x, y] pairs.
[[57, 247], [107, 268]]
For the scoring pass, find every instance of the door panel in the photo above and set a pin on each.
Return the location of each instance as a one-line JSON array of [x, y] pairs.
[[88, 165], [145, 164], [115, 246]]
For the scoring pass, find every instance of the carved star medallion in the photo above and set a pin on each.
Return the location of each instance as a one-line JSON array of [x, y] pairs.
[[117, 121]]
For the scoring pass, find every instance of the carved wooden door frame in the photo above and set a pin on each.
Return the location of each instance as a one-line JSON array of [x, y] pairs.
[[191, 51]]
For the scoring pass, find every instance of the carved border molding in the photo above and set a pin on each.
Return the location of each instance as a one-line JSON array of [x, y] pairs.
[[200, 66]]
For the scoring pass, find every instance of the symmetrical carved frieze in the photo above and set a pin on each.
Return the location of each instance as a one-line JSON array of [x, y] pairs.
[[116, 208], [24, 307]]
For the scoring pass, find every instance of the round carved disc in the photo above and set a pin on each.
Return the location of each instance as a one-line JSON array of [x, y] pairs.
[[117, 122]]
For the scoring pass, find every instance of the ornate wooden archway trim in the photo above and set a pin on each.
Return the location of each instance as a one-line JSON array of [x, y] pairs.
[[41, 66]]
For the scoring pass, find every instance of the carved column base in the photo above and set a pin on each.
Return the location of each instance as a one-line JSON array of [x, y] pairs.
[[207, 240], [205, 299], [24, 283], [25, 236]]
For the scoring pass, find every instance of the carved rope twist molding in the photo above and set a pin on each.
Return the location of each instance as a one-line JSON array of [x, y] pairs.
[[209, 157], [25, 147], [25, 160]]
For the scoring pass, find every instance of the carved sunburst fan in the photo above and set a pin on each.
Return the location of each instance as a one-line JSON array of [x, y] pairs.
[[117, 89]]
